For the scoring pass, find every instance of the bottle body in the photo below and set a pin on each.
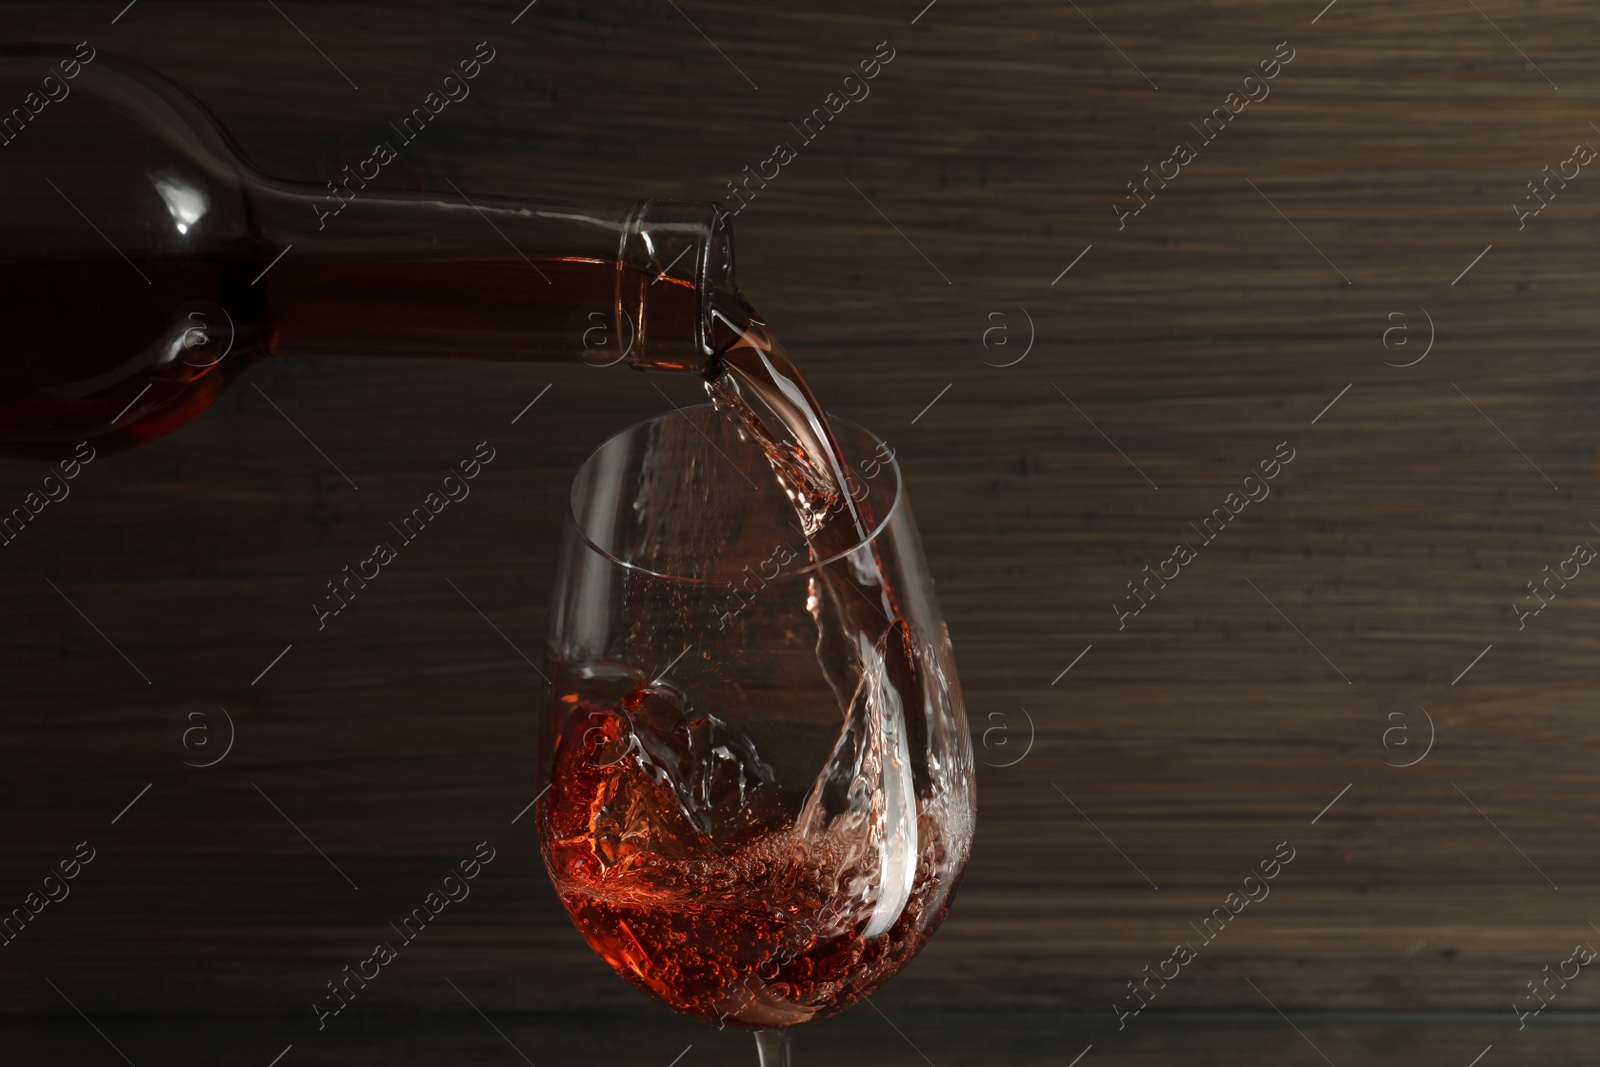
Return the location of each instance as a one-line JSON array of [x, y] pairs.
[[146, 264]]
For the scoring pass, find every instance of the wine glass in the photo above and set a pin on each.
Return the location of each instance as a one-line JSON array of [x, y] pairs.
[[755, 806]]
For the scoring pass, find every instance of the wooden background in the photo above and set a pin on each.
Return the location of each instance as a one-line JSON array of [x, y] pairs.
[[1200, 336]]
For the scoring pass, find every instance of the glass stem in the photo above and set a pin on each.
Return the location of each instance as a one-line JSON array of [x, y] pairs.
[[774, 1047]]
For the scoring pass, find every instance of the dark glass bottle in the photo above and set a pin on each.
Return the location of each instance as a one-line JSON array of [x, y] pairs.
[[144, 263]]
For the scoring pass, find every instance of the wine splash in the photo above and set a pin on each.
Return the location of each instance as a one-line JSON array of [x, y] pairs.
[[708, 886], [852, 606], [681, 858]]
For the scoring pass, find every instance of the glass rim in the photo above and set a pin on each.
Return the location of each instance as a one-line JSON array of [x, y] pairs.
[[892, 463]]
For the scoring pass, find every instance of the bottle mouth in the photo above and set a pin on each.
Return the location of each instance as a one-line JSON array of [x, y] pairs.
[[600, 509], [674, 268]]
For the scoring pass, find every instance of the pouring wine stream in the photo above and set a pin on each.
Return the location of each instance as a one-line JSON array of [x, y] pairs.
[[862, 643]]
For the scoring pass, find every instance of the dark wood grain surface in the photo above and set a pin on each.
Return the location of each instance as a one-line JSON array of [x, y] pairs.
[[1251, 294], [858, 1039]]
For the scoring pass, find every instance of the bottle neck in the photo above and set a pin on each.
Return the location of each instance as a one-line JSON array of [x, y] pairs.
[[453, 276]]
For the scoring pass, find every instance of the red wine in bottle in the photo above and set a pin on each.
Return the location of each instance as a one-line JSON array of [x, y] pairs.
[[94, 353], [146, 263]]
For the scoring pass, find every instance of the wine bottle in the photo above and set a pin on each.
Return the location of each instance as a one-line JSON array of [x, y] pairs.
[[145, 262]]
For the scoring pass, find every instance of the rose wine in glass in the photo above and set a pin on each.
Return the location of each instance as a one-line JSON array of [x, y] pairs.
[[760, 789]]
